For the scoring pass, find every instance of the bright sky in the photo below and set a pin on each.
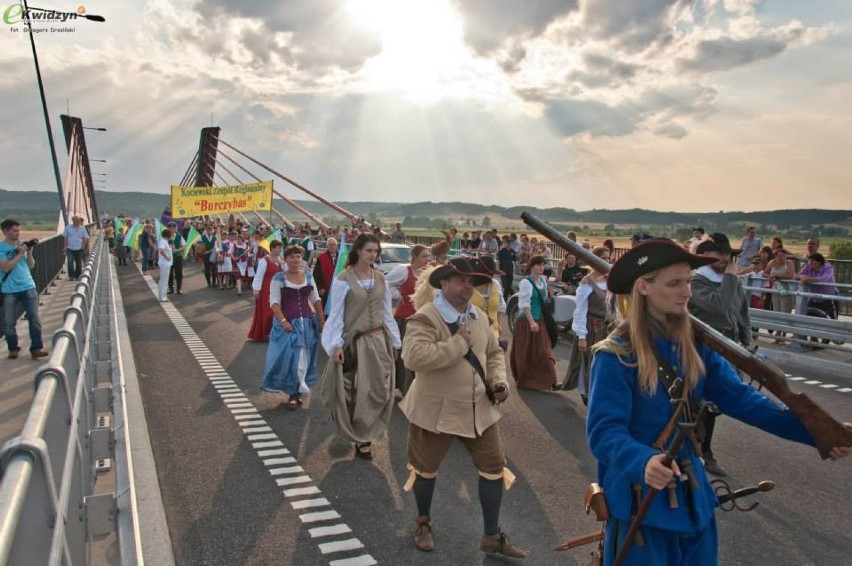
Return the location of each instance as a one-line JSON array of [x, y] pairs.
[[664, 104]]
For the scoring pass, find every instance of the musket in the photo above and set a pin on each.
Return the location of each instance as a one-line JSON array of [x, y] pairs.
[[825, 431], [683, 429]]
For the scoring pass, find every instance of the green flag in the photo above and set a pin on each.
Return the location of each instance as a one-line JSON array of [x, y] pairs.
[[193, 236]]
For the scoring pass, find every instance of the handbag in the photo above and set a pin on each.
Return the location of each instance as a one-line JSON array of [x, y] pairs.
[[350, 357]]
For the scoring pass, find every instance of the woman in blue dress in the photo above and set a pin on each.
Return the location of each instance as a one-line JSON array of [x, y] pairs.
[[298, 318]]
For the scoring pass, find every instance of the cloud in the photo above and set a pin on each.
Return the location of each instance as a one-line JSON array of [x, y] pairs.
[[572, 117], [319, 35], [725, 53], [632, 26], [490, 23]]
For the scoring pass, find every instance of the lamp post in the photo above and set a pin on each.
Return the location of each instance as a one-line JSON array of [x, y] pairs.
[[99, 160], [44, 101], [97, 129]]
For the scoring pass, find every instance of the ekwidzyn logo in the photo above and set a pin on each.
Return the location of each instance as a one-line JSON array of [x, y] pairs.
[[15, 14]]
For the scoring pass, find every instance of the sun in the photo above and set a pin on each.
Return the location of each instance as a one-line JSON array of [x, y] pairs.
[[423, 52]]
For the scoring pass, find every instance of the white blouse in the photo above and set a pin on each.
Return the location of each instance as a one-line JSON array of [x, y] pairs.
[[525, 291], [257, 282], [275, 291], [578, 325], [332, 333]]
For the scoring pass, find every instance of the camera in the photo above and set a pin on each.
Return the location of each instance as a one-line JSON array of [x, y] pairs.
[[31, 243]]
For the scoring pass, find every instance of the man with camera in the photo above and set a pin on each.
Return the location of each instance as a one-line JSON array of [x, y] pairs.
[[461, 377], [18, 286], [76, 240]]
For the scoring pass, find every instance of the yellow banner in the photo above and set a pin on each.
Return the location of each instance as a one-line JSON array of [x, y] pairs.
[[198, 201]]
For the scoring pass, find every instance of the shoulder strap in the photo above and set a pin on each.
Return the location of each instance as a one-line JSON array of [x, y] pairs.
[[473, 361]]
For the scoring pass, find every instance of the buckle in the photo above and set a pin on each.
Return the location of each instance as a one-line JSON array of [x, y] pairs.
[[676, 388]]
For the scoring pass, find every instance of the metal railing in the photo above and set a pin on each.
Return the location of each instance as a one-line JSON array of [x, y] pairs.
[[48, 509], [809, 324]]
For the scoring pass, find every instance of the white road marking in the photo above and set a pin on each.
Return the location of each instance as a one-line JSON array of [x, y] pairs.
[[267, 444], [305, 503], [340, 545], [363, 560], [319, 516], [329, 531]]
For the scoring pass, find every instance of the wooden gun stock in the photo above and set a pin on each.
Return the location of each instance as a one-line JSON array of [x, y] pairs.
[[823, 428]]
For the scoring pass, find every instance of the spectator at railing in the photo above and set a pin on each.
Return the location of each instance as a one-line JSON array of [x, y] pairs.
[[818, 277], [776, 244], [778, 270], [749, 247]]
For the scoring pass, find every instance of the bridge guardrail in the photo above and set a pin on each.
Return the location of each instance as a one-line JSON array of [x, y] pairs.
[[48, 509], [805, 326]]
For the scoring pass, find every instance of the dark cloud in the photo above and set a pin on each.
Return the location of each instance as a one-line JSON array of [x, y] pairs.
[[661, 107], [488, 23], [572, 117], [726, 53], [633, 26], [671, 130], [323, 36], [602, 71]]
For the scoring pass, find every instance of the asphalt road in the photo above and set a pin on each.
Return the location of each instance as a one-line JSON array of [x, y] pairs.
[[224, 507]]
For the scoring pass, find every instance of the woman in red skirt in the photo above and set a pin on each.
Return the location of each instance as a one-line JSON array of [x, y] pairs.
[[267, 267]]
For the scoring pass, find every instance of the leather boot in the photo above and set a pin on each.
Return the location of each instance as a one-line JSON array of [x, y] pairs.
[[500, 543], [423, 538], [712, 466]]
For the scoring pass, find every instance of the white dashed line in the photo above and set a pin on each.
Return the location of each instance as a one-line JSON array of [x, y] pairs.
[[269, 447], [830, 386]]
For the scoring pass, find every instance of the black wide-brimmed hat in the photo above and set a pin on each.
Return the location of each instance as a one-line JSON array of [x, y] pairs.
[[649, 256], [718, 242], [487, 264], [457, 266]]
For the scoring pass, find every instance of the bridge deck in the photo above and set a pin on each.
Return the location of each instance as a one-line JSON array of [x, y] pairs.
[[245, 481]]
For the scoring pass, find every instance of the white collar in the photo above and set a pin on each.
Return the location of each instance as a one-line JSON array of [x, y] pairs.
[[448, 312], [707, 272]]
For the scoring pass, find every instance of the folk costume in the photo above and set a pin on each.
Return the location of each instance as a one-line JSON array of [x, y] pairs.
[[623, 422], [261, 323], [291, 358], [491, 301], [178, 243], [449, 400], [592, 320], [360, 319], [532, 359], [403, 279], [324, 273]]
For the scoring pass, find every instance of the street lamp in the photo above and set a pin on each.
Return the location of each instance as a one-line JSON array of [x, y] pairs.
[[29, 22], [104, 174], [98, 129], [100, 160]]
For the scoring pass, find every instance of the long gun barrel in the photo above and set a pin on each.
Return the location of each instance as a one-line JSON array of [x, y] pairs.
[[826, 431]]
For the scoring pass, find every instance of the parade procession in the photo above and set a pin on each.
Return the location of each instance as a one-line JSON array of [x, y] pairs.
[[426, 282]]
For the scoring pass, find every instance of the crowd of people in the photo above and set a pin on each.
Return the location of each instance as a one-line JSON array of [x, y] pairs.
[[431, 332]]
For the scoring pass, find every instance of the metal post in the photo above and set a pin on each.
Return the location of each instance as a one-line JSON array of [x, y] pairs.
[[46, 115]]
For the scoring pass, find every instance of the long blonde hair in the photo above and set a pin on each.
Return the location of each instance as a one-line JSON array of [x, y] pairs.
[[638, 327]]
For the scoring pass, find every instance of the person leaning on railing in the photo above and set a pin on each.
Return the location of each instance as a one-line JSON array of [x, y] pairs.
[[818, 275]]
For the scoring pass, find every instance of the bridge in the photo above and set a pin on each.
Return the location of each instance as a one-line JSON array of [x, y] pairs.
[[145, 439]]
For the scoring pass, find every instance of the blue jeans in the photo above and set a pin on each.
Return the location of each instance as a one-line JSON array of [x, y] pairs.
[[10, 311], [75, 263]]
